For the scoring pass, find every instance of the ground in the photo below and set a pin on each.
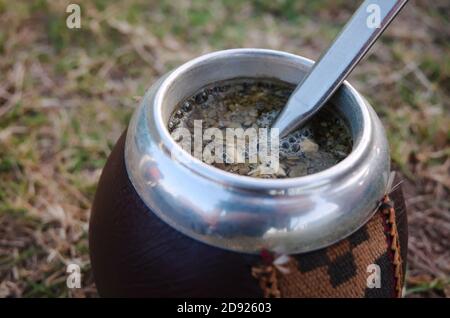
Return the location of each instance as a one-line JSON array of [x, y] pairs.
[[67, 94]]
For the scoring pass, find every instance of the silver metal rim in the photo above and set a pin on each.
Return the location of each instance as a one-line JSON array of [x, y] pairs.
[[218, 175], [292, 215]]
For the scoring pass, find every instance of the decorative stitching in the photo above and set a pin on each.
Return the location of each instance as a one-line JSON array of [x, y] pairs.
[[267, 277], [388, 211]]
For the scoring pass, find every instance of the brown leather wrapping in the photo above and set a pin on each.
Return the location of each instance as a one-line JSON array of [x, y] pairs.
[[135, 254]]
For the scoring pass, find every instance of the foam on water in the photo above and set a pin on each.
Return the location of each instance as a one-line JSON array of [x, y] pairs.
[[250, 103]]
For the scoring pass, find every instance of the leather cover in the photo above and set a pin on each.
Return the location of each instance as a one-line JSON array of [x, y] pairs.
[[135, 254]]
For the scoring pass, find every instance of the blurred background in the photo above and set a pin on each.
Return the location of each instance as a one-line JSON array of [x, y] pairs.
[[67, 94]]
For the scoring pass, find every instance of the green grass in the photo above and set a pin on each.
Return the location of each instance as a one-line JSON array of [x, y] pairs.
[[66, 95]]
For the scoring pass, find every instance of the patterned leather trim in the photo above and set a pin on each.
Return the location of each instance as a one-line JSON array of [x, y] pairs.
[[343, 269]]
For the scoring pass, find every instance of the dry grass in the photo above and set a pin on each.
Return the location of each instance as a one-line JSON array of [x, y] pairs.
[[66, 95]]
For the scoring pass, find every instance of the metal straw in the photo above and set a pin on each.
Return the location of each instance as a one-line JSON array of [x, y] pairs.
[[358, 35]]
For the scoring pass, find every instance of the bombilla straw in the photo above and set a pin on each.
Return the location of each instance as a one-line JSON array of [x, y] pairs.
[[358, 35]]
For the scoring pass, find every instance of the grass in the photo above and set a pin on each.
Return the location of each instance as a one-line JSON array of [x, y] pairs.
[[66, 95]]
